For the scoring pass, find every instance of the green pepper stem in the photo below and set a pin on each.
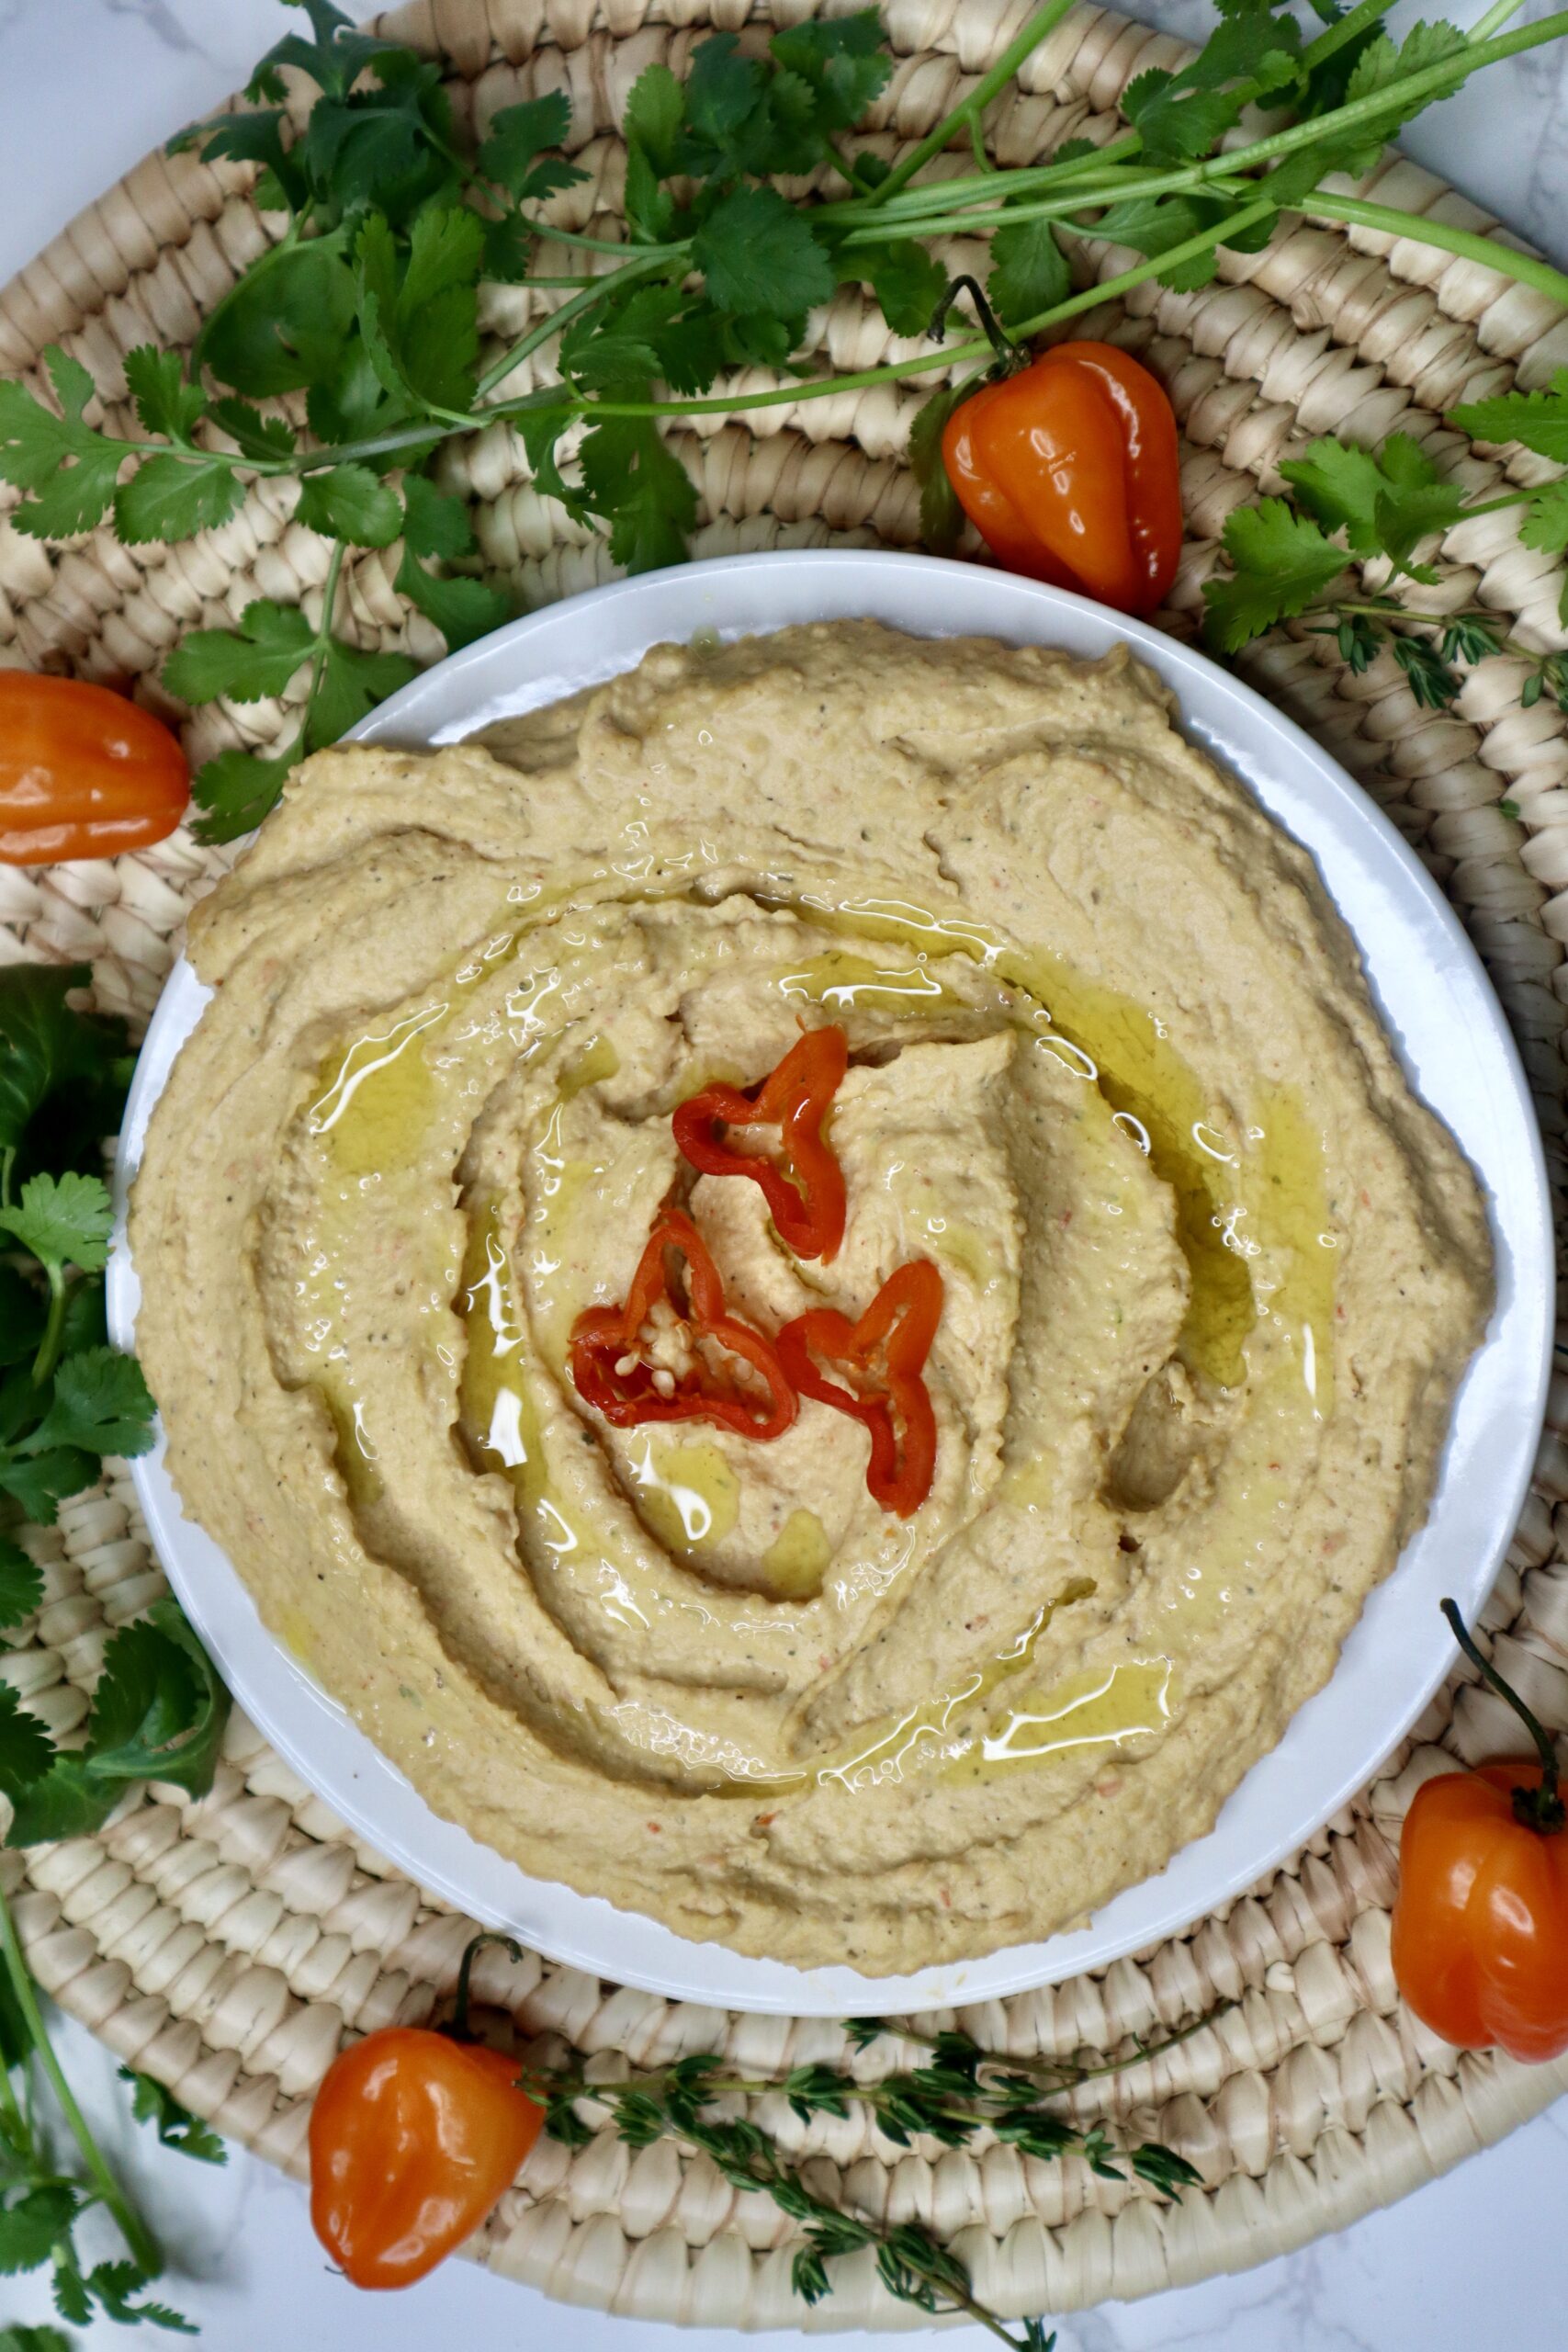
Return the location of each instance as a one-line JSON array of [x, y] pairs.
[[1541, 1808], [459, 2029]]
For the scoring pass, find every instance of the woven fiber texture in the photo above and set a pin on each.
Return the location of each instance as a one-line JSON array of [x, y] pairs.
[[229, 1946]]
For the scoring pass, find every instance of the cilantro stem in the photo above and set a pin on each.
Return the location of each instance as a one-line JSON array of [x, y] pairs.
[[1493, 20], [247, 278], [1317, 52], [595, 290], [143, 2247], [1039, 25], [47, 1354], [324, 631], [1506, 260], [824, 387], [14, 2125], [622, 245]]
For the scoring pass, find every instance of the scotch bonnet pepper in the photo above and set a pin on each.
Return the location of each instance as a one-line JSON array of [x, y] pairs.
[[1479, 1936], [414, 2134], [84, 772], [1069, 470]]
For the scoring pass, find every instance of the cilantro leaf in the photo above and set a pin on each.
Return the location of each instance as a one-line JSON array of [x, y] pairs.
[[252, 138], [516, 140], [906, 280], [1028, 271], [722, 88], [1176, 124], [235, 789], [64, 1220], [1537, 421], [69, 467], [249, 663], [461, 609], [758, 254], [170, 497], [655, 109], [21, 1584], [166, 403], [1340, 485], [334, 60], [1545, 527], [941, 517], [1378, 67], [42, 1482], [112, 2284], [348, 502], [418, 314], [158, 1713], [286, 323], [72, 2299], [100, 1404], [351, 683], [254, 434], [1282, 562], [843, 60], [434, 524], [376, 147], [32, 2223], [26, 1750], [641, 490], [66, 1071], [152, 2102], [19, 2338], [1385, 502]]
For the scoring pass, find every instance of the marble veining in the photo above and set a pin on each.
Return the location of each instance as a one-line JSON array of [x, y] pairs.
[[86, 87]]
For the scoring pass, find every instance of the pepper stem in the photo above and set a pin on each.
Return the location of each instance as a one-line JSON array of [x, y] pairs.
[[1541, 1808], [1001, 343], [459, 2029]]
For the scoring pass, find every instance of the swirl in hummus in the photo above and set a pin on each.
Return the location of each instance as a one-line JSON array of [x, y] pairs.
[[1209, 1276]]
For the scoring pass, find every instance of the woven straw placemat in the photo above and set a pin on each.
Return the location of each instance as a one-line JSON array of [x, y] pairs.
[[228, 1946]]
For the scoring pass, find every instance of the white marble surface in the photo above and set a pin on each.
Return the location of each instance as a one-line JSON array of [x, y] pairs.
[[1472, 2262]]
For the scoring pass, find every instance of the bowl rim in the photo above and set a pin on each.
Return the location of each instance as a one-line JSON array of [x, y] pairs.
[[1489, 1449]]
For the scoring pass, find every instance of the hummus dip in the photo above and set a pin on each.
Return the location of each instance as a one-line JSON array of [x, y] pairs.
[[1211, 1274]]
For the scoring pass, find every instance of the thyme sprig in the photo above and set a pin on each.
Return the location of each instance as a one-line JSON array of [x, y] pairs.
[[960, 2093]]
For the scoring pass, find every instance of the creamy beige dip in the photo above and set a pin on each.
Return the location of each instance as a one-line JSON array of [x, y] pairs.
[[1211, 1276]]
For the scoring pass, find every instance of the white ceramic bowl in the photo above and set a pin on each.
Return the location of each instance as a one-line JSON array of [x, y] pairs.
[[1456, 1048]]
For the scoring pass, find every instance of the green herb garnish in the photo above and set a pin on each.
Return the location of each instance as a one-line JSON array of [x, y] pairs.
[[961, 2092], [1351, 505], [362, 318]]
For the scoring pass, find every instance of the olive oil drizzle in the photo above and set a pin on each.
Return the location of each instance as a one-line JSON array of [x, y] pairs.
[[378, 1095]]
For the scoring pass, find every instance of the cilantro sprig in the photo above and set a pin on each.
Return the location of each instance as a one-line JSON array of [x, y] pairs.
[[349, 353], [158, 1712], [1290, 558]]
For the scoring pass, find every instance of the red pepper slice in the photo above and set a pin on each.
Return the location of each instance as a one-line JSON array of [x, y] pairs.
[[804, 1187], [896, 1332], [604, 1337]]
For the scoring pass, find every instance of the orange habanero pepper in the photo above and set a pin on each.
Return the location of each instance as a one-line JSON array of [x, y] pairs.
[[414, 2136], [1480, 1927], [1068, 470], [84, 772]]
